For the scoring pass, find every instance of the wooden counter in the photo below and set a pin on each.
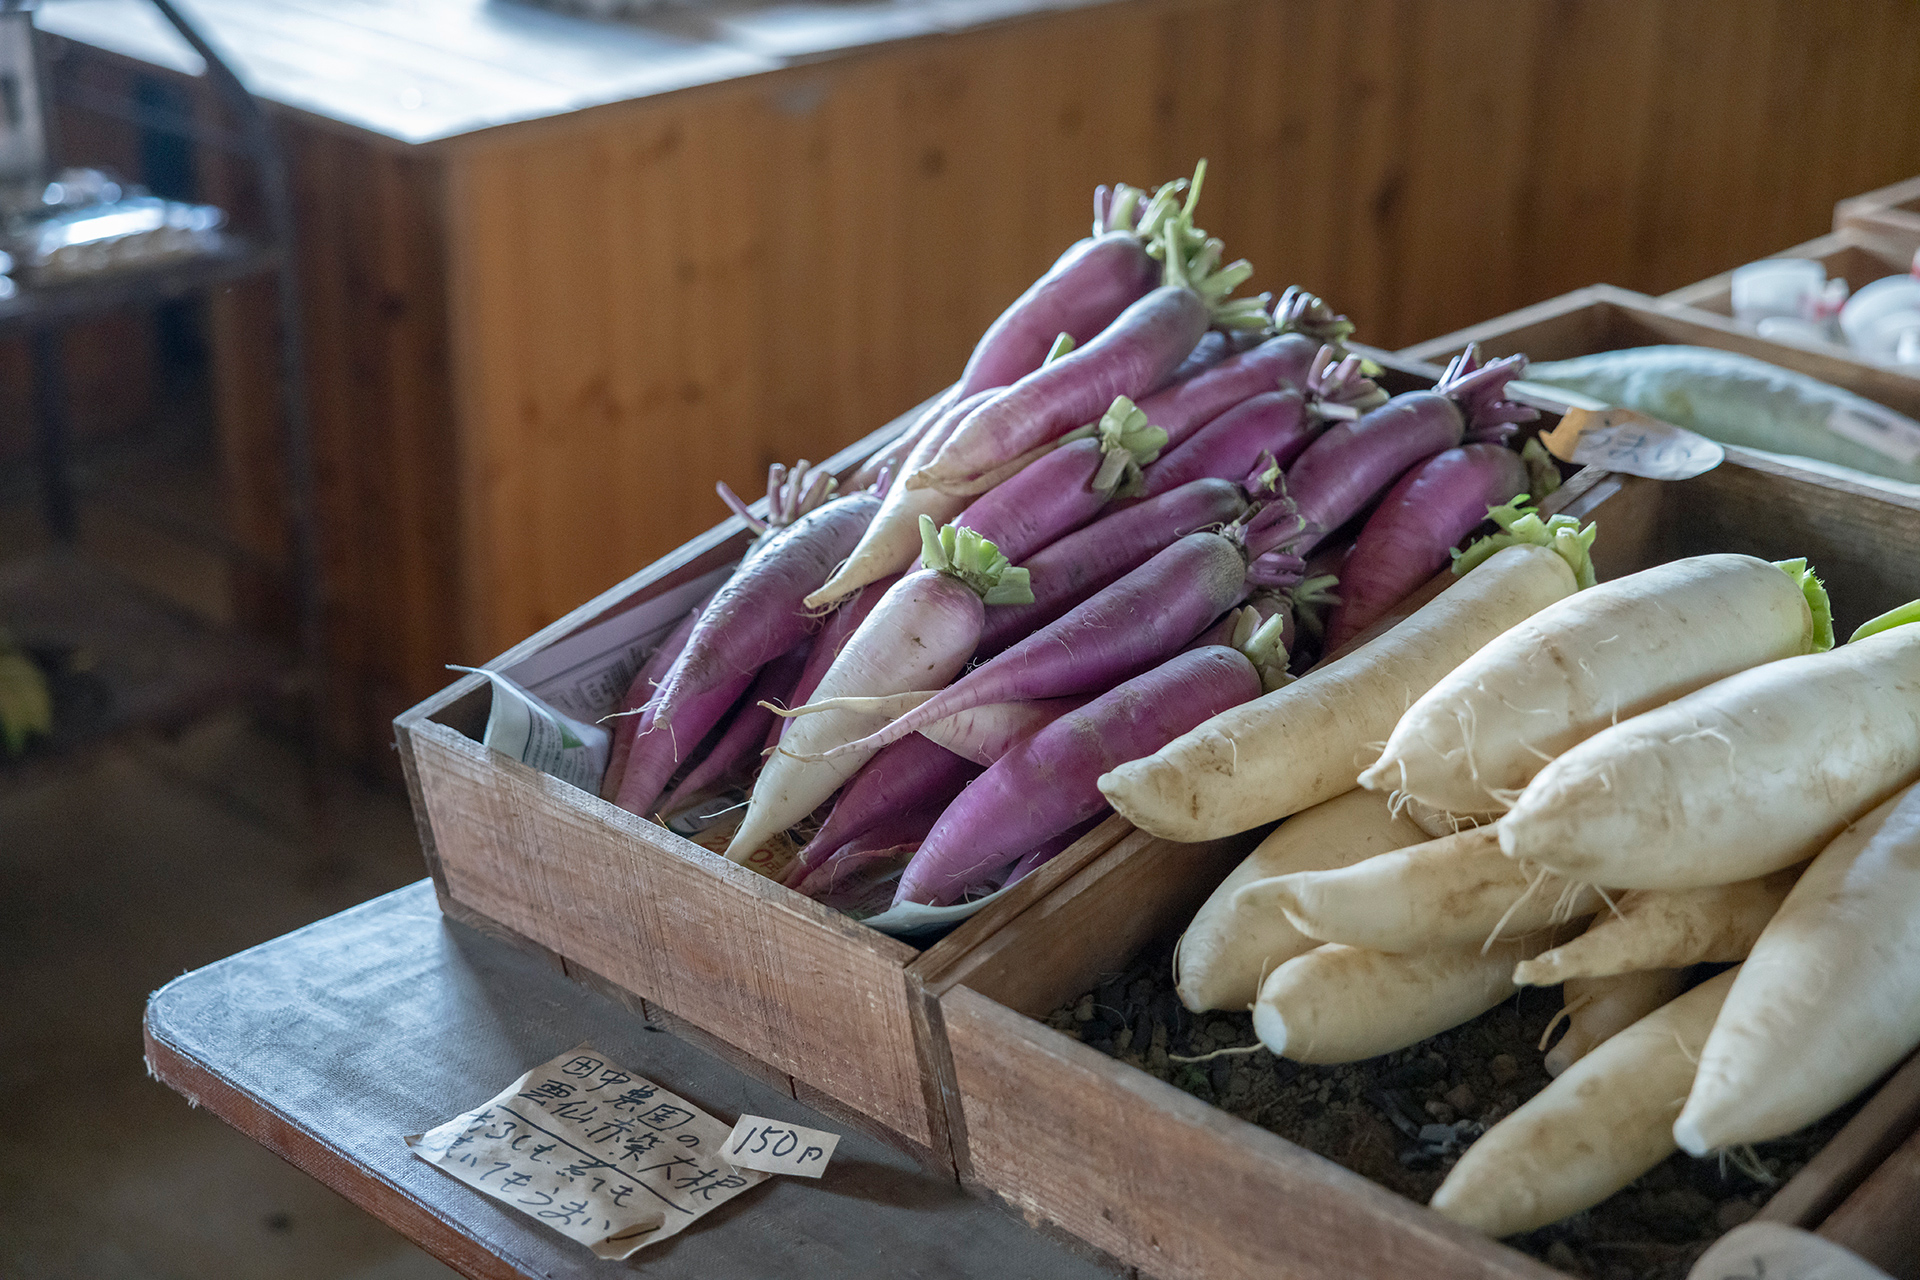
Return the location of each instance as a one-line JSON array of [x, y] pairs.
[[563, 275]]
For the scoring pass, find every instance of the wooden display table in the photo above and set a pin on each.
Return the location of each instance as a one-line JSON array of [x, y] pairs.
[[326, 1045]]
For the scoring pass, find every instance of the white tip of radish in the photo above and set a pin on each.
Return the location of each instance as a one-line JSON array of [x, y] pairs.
[[1509, 845], [1686, 1132], [1271, 1027]]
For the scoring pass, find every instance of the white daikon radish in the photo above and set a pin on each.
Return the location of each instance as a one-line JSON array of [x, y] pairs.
[[1443, 822], [1739, 779], [1665, 929], [1600, 1124], [1341, 1004], [1591, 660], [1829, 998], [1597, 1008], [1228, 950], [1451, 892], [1307, 742]]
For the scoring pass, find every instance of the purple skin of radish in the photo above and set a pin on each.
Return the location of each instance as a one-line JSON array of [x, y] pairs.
[[1229, 447], [659, 748], [984, 734], [1185, 407], [758, 614], [1213, 347], [1048, 784], [1132, 357], [738, 749], [1424, 516], [827, 643], [1090, 285], [850, 876], [1070, 571], [633, 715], [1046, 500], [1047, 850], [1352, 463], [890, 455], [791, 494], [1129, 628], [911, 774]]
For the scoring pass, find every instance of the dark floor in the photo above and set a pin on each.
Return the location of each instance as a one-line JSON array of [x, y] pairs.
[[121, 868], [117, 874]]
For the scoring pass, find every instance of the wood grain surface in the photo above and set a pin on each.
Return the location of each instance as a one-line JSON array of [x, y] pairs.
[[328, 1044], [1892, 212], [1880, 1221]]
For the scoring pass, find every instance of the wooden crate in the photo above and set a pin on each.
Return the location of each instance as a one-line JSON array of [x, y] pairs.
[[1892, 213], [1182, 1190], [1604, 318], [799, 993], [1858, 257]]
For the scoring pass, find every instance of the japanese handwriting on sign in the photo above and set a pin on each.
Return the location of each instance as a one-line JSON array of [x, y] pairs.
[[594, 1151], [773, 1146]]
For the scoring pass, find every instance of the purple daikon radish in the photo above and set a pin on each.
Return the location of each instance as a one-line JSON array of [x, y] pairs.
[[1212, 348], [1047, 850], [1352, 463], [913, 773], [759, 614], [1231, 446], [1070, 571], [1048, 784], [791, 494], [1081, 294], [1132, 357], [738, 750], [891, 541], [632, 716], [854, 875], [892, 456], [658, 748], [1408, 537], [918, 636], [1068, 487], [984, 734], [1131, 627]]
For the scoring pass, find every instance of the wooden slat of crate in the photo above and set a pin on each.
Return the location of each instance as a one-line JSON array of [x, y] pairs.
[[1856, 256], [1891, 212], [1185, 1191], [1604, 318], [1880, 1221]]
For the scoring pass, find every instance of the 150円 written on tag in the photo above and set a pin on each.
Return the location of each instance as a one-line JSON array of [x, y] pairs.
[[775, 1146], [599, 1154]]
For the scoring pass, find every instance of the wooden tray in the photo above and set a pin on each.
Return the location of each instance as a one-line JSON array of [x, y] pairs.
[[1182, 1190], [1892, 213], [1604, 318], [1856, 256], [827, 1008], [772, 980]]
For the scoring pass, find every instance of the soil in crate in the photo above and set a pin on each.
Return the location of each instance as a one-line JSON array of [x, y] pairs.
[[1402, 1119]]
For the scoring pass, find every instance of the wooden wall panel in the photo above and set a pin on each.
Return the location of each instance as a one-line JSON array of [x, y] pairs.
[[653, 296]]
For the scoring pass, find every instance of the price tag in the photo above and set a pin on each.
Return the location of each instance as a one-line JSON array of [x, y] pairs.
[[774, 1146], [1628, 441], [1891, 436], [601, 1155]]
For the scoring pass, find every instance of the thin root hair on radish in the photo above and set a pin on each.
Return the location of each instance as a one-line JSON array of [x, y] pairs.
[[1612, 906], [1744, 1158], [1539, 878], [1218, 1053], [1565, 1015]]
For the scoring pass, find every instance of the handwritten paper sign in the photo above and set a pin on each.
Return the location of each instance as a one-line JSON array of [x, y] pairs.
[[774, 1146], [1632, 442], [599, 1154]]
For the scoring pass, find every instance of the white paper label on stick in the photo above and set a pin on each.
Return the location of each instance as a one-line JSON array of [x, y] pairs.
[[1632, 442], [774, 1146], [1891, 436], [601, 1155]]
